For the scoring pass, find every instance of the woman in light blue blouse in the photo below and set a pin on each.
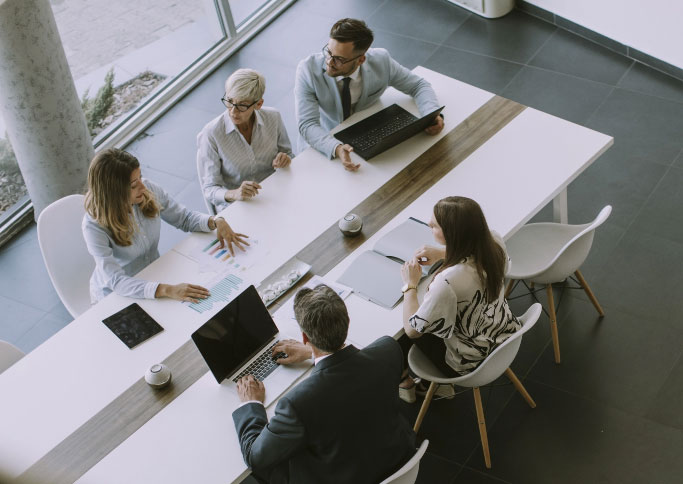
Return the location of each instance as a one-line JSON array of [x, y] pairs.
[[122, 224]]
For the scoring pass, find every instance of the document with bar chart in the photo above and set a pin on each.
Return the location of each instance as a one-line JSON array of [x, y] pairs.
[[211, 257], [223, 290]]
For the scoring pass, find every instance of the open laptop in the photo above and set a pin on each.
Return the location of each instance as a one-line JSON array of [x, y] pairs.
[[238, 341], [384, 129]]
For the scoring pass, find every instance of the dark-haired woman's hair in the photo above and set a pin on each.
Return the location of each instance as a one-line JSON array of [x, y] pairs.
[[108, 198], [468, 236], [352, 30]]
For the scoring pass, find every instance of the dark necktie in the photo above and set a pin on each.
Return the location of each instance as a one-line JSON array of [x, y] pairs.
[[346, 97]]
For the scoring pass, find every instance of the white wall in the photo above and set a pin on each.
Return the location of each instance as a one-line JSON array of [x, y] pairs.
[[650, 26]]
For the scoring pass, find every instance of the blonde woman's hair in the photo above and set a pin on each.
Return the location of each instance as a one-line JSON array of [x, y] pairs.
[[245, 85], [108, 198]]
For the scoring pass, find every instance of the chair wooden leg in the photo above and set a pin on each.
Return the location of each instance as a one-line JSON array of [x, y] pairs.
[[520, 388], [553, 322], [425, 405], [590, 294], [508, 289], [482, 427]]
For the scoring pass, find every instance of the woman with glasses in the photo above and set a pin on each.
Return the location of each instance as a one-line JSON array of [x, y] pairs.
[[122, 224], [464, 315], [242, 146]]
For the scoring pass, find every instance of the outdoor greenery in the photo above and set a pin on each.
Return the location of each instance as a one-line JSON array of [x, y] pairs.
[[96, 109]]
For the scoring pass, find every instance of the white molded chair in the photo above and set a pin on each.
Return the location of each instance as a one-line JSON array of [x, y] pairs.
[[68, 262], [408, 473], [547, 253], [497, 363], [9, 355]]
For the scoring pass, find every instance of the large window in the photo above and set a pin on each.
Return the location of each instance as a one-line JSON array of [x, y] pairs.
[[130, 60]]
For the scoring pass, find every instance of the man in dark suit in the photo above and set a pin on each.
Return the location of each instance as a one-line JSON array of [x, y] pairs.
[[342, 424]]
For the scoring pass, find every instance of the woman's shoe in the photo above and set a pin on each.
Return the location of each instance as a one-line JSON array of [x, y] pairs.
[[406, 390]]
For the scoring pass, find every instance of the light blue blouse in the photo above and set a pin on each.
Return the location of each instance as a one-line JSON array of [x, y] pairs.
[[115, 264]]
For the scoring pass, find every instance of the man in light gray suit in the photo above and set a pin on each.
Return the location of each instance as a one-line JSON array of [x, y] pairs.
[[342, 424], [349, 76]]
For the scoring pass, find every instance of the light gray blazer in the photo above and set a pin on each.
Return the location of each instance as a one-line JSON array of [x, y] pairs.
[[318, 102]]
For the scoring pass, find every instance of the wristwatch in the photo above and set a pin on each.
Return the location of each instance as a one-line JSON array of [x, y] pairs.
[[407, 288]]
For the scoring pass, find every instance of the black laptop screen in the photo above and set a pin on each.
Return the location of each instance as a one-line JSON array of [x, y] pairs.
[[235, 334]]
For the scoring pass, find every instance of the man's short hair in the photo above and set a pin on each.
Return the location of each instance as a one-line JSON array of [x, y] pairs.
[[352, 30], [322, 315], [245, 85]]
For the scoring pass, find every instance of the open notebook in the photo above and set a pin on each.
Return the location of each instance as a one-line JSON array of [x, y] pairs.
[[376, 274]]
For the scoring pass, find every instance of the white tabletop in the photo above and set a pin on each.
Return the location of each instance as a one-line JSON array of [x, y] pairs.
[[63, 383]]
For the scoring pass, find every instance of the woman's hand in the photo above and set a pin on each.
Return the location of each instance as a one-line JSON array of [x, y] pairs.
[[295, 350], [182, 292], [282, 160], [245, 191], [411, 272], [226, 236], [428, 255]]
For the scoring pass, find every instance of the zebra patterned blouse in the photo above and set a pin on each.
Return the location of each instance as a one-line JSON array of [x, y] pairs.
[[455, 309]]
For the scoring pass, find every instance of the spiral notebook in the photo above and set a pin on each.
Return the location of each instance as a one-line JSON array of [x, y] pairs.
[[376, 274]]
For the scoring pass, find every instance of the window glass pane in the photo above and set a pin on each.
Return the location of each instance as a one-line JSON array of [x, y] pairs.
[[242, 10], [141, 44], [12, 187]]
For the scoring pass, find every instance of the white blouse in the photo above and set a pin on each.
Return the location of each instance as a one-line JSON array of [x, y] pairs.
[[116, 264], [454, 308]]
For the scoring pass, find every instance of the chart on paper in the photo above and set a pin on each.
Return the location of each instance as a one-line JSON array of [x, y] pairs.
[[214, 258], [222, 292]]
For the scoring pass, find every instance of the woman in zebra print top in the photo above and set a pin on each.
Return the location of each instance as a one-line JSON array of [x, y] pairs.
[[464, 315]]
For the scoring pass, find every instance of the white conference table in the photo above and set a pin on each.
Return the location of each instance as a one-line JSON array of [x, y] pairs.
[[60, 386]]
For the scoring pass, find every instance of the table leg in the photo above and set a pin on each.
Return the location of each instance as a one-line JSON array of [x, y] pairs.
[[560, 207]]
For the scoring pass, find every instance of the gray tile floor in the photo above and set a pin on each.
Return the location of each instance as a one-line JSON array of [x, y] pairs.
[[611, 412]]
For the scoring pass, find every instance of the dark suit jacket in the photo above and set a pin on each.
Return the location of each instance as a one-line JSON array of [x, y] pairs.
[[340, 425]]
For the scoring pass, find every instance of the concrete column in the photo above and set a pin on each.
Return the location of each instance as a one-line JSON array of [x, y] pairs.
[[39, 103]]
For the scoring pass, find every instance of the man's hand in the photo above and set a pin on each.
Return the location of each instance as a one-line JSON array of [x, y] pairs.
[[296, 351], [282, 160], [343, 152], [435, 128], [245, 191], [249, 388]]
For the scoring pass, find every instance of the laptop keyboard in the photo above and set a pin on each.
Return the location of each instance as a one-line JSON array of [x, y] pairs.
[[262, 366], [374, 136]]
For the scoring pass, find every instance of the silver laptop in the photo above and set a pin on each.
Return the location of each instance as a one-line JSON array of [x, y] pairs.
[[239, 340]]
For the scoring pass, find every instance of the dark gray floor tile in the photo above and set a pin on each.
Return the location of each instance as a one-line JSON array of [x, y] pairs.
[[613, 180], [286, 107], [569, 439], [24, 278], [59, 311], [470, 476], [26, 234], [410, 19], [435, 469], [644, 127], [406, 51], [17, 319], [678, 162], [570, 54], [644, 79], [658, 64], [661, 214], [602, 358], [644, 279], [293, 36], [667, 404], [501, 37], [43, 330], [484, 72], [451, 425], [591, 35], [334, 9], [564, 96], [535, 11], [169, 182]]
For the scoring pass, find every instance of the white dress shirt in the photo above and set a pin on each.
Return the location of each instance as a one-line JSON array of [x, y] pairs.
[[355, 87], [115, 264], [225, 159]]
